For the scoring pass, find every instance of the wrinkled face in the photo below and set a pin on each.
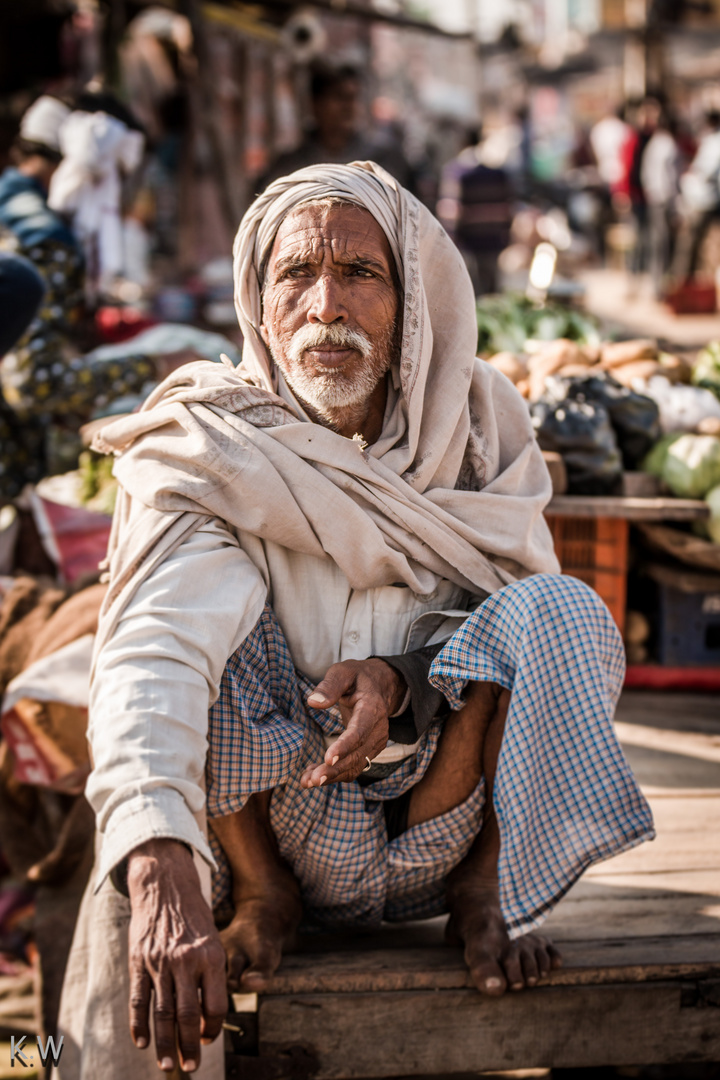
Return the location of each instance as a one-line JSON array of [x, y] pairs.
[[331, 305]]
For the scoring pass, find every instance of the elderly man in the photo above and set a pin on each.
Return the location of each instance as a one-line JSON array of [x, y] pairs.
[[338, 551]]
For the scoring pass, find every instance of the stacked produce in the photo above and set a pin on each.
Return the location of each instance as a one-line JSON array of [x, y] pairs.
[[509, 322], [611, 406], [706, 369], [598, 426], [689, 467], [628, 362], [583, 406]]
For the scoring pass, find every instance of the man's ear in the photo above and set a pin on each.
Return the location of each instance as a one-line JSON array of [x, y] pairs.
[[264, 334]]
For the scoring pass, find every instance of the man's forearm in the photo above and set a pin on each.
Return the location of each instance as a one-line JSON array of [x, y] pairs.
[[120, 873], [153, 683]]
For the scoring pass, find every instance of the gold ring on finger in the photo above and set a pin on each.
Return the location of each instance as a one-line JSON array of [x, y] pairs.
[[369, 764]]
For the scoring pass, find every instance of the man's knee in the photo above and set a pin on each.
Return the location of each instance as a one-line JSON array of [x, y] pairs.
[[561, 598]]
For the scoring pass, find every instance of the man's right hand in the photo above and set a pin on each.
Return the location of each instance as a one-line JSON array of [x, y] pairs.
[[367, 692], [176, 957]]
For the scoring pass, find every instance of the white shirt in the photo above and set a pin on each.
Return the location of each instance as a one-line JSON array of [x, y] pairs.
[[607, 139], [700, 184], [660, 169], [160, 672]]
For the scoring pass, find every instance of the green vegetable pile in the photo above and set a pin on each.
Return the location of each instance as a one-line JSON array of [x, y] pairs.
[[99, 486], [712, 527], [706, 369], [654, 462], [692, 466], [506, 322], [688, 464]]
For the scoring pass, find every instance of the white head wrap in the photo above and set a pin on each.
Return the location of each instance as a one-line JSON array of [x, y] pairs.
[[427, 433], [43, 120]]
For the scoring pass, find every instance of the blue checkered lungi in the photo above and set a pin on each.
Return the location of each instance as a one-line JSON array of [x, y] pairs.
[[564, 794]]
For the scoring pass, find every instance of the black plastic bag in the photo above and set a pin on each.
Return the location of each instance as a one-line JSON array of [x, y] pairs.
[[634, 417], [582, 433]]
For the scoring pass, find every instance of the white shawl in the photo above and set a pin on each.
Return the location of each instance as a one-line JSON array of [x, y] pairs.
[[454, 487]]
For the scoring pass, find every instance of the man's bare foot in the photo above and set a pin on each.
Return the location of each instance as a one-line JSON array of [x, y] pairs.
[[254, 941], [495, 962], [265, 895]]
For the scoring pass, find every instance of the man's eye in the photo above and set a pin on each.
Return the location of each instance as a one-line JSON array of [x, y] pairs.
[[361, 271]]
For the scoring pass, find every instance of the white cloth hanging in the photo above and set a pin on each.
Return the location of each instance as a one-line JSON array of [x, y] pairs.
[[97, 149]]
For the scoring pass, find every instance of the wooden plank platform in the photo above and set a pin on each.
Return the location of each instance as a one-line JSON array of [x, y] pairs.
[[632, 508], [640, 936]]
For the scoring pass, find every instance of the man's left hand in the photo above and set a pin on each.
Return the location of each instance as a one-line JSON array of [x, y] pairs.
[[176, 956], [367, 692]]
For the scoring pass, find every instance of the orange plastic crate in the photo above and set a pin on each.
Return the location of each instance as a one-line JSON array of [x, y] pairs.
[[596, 551]]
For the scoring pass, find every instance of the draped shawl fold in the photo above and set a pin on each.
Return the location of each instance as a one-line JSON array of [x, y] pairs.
[[454, 487]]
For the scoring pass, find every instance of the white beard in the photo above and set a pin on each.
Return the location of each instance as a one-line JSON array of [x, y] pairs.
[[335, 390]]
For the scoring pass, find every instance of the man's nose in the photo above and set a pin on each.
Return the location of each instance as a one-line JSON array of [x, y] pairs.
[[326, 301]]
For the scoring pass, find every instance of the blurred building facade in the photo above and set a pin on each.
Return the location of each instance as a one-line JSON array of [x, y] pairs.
[[222, 88]]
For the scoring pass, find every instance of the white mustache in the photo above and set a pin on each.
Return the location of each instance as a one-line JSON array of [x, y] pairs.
[[310, 336]]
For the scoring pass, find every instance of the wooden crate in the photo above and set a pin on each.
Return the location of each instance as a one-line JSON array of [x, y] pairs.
[[595, 550]]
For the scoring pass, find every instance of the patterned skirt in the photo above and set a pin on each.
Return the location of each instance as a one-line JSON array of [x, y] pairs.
[[564, 795]]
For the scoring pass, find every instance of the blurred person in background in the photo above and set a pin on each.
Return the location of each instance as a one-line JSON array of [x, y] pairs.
[[476, 207], [630, 197], [700, 198], [44, 379], [102, 144], [335, 135], [508, 146], [607, 139], [156, 62], [660, 178]]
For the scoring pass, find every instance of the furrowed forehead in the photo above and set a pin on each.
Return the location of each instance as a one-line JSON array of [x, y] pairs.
[[352, 232]]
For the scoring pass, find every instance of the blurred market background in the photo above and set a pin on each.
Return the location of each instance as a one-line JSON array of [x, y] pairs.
[[571, 148]]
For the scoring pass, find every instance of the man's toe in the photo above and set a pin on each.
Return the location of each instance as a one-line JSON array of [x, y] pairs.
[[530, 962], [254, 980], [486, 973], [513, 968], [556, 960], [265, 962], [237, 964], [543, 958]]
